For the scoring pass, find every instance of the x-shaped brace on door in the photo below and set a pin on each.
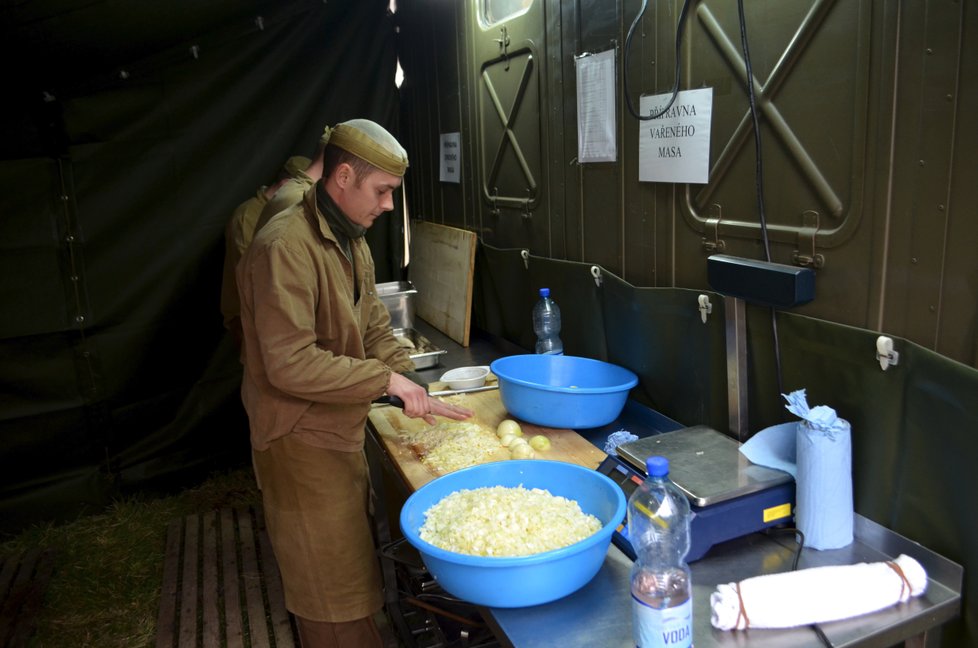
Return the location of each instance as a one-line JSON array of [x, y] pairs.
[[507, 121], [764, 94]]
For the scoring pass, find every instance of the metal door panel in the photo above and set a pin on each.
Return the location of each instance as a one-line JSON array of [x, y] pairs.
[[509, 131], [813, 122], [511, 126], [927, 295]]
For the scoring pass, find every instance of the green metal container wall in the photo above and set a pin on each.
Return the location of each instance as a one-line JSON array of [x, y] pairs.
[[868, 157]]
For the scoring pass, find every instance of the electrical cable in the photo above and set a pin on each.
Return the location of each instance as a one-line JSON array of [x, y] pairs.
[[679, 41], [794, 566], [759, 181], [758, 161], [758, 165], [821, 636], [799, 536]]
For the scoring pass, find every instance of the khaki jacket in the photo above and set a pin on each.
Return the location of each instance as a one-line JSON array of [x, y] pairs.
[[237, 237], [314, 359], [286, 196]]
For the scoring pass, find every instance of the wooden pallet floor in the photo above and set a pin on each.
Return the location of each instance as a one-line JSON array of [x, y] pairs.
[[221, 585], [24, 578]]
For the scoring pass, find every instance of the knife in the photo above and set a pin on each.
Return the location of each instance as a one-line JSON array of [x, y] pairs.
[[387, 399], [450, 392]]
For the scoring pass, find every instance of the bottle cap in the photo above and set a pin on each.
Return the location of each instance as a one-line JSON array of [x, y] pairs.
[[657, 466], [544, 292]]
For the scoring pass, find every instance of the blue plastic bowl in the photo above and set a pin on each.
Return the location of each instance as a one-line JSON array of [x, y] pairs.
[[523, 580], [563, 391]]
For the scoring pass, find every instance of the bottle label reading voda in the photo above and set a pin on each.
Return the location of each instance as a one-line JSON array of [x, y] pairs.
[[661, 627]]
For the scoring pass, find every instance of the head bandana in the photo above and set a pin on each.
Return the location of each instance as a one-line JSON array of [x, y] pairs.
[[370, 142]]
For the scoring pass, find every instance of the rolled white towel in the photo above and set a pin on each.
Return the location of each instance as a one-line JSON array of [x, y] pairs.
[[815, 595]]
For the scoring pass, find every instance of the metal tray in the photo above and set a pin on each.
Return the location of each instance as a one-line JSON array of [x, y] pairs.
[[422, 351], [399, 298]]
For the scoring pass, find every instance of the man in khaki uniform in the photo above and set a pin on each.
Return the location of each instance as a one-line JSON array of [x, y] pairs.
[[239, 232], [292, 190], [318, 349]]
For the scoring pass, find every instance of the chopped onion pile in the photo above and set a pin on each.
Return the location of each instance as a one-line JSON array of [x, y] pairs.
[[500, 521], [452, 445]]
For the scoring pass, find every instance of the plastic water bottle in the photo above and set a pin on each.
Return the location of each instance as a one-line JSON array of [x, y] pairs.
[[546, 324], [658, 529]]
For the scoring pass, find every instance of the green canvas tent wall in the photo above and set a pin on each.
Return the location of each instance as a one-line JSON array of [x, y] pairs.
[[130, 131]]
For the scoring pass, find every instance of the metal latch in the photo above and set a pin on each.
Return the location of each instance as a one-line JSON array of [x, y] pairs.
[[716, 245], [806, 238], [503, 42]]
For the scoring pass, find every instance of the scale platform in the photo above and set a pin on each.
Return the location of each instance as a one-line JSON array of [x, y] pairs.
[[730, 497]]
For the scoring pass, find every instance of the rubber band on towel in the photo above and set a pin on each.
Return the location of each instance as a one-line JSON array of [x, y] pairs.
[[905, 584], [743, 610]]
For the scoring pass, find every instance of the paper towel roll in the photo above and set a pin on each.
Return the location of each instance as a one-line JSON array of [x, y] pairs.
[[823, 495]]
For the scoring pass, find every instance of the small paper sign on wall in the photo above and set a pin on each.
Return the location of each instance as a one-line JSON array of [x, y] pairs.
[[451, 158], [596, 107], [676, 146]]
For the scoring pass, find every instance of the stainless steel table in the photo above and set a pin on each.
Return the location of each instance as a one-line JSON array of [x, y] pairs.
[[599, 614]]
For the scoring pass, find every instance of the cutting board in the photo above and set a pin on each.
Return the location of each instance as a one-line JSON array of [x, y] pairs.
[[442, 267], [390, 422]]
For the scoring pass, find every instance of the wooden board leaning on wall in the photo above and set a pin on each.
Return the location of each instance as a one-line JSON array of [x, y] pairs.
[[441, 268]]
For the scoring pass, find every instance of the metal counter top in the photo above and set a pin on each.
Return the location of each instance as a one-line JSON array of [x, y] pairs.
[[599, 614]]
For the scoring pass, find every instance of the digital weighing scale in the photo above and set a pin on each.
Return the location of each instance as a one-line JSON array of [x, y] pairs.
[[729, 496]]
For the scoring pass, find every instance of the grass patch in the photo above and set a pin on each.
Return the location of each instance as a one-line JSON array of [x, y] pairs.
[[109, 567]]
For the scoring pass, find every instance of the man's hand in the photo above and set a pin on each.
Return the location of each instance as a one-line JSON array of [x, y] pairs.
[[417, 403]]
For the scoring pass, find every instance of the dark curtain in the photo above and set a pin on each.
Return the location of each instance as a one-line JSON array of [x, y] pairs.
[[130, 131]]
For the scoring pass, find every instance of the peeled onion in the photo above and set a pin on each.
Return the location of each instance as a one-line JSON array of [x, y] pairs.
[[521, 451], [540, 442], [509, 426], [507, 439]]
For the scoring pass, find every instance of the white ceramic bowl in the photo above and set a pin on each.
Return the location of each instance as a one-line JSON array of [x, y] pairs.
[[465, 377]]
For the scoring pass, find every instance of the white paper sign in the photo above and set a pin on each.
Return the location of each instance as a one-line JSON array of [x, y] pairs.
[[676, 146], [596, 107], [451, 158]]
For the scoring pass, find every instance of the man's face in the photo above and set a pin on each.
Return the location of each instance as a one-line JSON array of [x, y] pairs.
[[364, 201]]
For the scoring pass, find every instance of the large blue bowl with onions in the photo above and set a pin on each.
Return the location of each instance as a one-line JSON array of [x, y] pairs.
[[519, 581], [561, 391]]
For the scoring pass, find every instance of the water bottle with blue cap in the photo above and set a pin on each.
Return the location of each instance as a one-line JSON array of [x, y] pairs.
[[662, 591], [546, 324]]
